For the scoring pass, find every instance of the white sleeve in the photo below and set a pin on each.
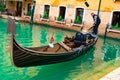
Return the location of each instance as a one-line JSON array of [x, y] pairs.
[[95, 18]]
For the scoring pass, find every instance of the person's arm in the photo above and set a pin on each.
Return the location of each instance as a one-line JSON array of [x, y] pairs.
[[95, 19]]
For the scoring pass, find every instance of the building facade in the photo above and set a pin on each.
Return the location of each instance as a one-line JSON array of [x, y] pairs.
[[19, 7], [69, 12]]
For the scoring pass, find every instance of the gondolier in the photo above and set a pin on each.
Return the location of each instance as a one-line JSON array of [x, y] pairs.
[[96, 23]]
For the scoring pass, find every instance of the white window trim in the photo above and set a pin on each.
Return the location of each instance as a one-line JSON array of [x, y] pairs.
[[43, 12], [44, 8], [59, 12], [75, 15]]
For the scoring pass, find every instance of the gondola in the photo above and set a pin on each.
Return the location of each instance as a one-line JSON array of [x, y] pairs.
[[27, 57]]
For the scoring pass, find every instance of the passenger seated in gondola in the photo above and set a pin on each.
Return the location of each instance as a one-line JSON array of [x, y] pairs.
[[82, 38], [69, 41], [79, 39], [87, 37]]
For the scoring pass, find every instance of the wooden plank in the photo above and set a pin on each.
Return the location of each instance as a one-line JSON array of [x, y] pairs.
[[65, 46]]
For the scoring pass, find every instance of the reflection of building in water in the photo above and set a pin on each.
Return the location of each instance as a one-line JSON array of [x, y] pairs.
[[88, 59], [59, 34], [35, 36], [25, 32], [118, 54], [109, 52], [43, 35], [40, 35]]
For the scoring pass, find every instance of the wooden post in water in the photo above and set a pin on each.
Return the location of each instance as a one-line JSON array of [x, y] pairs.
[[32, 11], [106, 31]]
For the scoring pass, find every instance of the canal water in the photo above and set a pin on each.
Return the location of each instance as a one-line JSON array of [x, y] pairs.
[[97, 62]]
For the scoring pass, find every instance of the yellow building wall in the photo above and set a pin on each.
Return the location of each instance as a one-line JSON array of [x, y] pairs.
[[42, 2], [110, 5], [106, 5], [24, 7], [11, 6]]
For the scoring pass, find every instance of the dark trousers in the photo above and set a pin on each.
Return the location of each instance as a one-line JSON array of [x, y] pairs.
[[95, 29]]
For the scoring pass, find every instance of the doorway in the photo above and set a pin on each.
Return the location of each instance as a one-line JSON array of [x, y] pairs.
[[19, 8]]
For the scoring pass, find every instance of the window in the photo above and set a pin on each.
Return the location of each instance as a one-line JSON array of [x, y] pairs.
[[79, 16], [28, 9], [62, 11], [46, 11], [116, 19]]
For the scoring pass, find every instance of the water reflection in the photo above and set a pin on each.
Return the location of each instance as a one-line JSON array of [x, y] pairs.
[[24, 34], [43, 35], [110, 50], [39, 35]]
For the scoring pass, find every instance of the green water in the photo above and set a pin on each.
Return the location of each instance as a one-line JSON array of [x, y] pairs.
[[100, 60]]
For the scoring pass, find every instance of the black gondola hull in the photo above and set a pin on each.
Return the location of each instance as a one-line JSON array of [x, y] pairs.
[[23, 57]]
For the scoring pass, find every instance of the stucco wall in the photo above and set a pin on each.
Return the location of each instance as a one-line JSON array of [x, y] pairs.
[[10, 5], [37, 12], [70, 14], [107, 6], [104, 16], [24, 7], [53, 13]]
